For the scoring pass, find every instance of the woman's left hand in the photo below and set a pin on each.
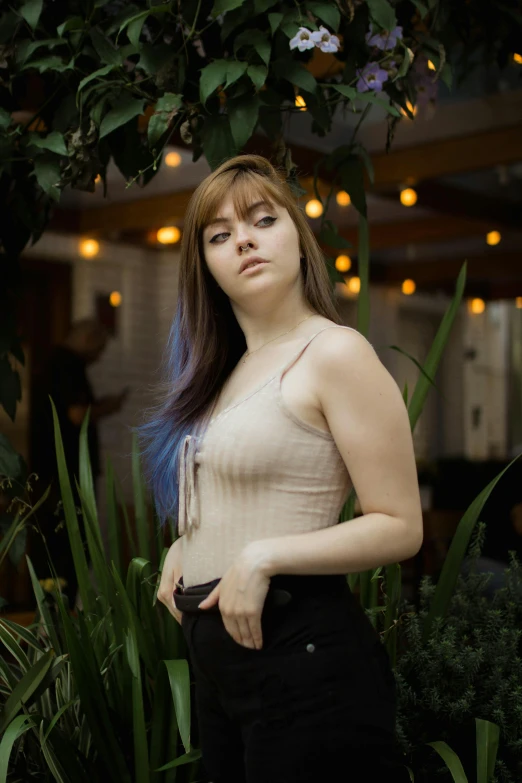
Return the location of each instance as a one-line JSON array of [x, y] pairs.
[[241, 596]]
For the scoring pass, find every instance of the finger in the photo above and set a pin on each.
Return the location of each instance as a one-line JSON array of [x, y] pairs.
[[256, 632], [244, 629]]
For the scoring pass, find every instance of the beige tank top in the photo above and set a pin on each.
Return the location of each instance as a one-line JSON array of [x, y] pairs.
[[257, 471]]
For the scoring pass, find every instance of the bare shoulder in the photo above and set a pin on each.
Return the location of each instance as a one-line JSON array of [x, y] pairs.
[[332, 345]]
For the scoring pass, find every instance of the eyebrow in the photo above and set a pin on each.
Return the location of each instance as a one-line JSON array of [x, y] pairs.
[[250, 209]]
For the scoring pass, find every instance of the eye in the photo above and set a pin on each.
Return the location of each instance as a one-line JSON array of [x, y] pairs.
[[224, 233]]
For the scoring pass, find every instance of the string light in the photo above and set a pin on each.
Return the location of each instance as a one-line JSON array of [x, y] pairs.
[[408, 197], [343, 199], [493, 237], [354, 285], [314, 208], [168, 235], [408, 287], [518, 302], [98, 179], [173, 159], [517, 58], [476, 306], [431, 66], [89, 248], [300, 102], [115, 298], [343, 263], [411, 107]]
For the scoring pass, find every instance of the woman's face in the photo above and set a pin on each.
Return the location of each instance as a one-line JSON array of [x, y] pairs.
[[267, 232]]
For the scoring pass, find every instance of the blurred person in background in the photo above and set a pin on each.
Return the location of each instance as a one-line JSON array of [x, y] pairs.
[[64, 379]]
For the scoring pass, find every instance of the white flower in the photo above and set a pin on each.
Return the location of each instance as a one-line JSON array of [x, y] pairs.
[[325, 40], [302, 40]]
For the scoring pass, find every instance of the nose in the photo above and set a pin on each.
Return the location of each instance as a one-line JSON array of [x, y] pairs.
[[244, 241]]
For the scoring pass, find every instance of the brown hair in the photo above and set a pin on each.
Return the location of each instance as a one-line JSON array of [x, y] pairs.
[[206, 341]]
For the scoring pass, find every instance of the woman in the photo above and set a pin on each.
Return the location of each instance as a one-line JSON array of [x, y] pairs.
[[270, 410]]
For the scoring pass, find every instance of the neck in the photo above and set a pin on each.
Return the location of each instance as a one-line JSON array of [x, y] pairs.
[[263, 328]]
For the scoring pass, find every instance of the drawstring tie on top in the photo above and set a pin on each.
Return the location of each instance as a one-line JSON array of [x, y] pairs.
[[188, 516]]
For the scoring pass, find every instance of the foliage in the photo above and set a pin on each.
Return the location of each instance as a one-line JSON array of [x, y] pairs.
[[103, 695], [469, 666], [84, 83]]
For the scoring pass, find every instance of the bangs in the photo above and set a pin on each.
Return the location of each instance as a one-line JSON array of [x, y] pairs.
[[245, 188]]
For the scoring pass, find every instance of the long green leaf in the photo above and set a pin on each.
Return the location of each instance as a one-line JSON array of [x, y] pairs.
[[43, 609], [435, 354], [25, 689], [18, 525], [8, 640], [140, 505], [488, 737], [71, 521], [93, 698], [113, 521], [15, 730], [141, 752], [363, 260], [451, 760], [452, 565]]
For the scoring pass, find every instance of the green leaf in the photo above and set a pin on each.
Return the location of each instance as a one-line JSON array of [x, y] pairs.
[[104, 48], [165, 109], [260, 6], [125, 109], [327, 13], [422, 7], [258, 40], [54, 141], [10, 465], [217, 140], [5, 118], [25, 49], [330, 236], [363, 262], [382, 13], [75, 23], [25, 688], [48, 174], [295, 73], [488, 736], [97, 74], [446, 75], [113, 521], [15, 730], [243, 115], [235, 71], [211, 76], [257, 74], [139, 731], [352, 179], [140, 505], [451, 760], [220, 6], [31, 10], [51, 63], [415, 362], [275, 20], [366, 97]]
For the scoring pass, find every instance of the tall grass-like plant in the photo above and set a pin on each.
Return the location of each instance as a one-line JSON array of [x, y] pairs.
[[103, 695]]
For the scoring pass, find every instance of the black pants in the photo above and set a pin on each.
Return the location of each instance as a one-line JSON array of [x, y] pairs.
[[316, 703]]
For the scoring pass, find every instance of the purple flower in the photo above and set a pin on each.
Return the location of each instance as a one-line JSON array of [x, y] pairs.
[[371, 77], [384, 39]]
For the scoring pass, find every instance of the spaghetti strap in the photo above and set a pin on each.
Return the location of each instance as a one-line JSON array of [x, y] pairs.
[[296, 356]]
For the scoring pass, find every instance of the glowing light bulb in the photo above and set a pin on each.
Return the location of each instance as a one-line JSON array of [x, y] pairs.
[[408, 197], [411, 107], [89, 248], [517, 58], [431, 66], [98, 179], [314, 208], [518, 302], [168, 235], [476, 306], [354, 285], [343, 199], [300, 102], [115, 298], [408, 287], [493, 237], [173, 159], [343, 263]]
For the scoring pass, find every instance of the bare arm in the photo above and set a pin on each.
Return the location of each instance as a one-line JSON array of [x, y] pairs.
[[172, 570]]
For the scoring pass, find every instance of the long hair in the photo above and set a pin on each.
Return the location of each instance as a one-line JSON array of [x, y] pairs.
[[205, 341]]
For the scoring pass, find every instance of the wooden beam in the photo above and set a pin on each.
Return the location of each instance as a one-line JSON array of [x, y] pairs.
[[494, 267], [450, 200]]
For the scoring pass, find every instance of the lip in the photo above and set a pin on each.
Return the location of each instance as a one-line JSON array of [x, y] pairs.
[[249, 260]]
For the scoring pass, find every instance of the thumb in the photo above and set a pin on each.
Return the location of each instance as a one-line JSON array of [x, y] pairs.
[[211, 599]]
